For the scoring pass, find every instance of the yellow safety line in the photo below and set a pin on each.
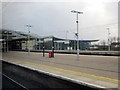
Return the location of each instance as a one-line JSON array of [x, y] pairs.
[[73, 72], [76, 73]]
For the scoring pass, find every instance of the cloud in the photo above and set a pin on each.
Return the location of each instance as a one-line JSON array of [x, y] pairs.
[[55, 18]]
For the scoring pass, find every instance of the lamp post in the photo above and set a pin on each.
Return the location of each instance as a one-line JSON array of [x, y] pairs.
[[43, 48], [66, 40], [6, 46], [7, 40], [53, 46], [108, 39], [77, 12], [28, 27], [74, 42]]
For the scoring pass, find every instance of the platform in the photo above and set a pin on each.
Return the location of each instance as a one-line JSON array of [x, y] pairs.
[[96, 71]]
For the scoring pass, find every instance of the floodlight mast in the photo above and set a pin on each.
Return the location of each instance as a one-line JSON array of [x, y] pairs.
[[77, 34]]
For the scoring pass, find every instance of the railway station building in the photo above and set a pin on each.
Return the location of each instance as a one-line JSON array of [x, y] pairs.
[[15, 40]]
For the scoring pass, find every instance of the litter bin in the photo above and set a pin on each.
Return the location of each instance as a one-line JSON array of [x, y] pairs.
[[50, 54]]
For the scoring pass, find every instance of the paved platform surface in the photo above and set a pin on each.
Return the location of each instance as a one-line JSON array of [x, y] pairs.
[[101, 71]]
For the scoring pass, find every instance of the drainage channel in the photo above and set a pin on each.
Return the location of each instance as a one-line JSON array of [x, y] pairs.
[[15, 76]]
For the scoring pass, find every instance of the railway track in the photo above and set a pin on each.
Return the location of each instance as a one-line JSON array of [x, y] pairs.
[[25, 79]]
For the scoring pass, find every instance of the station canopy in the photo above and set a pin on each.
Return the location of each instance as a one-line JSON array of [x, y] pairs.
[[71, 40], [18, 35]]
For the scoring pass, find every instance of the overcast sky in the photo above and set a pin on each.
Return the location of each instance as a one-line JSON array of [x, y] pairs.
[[55, 18]]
